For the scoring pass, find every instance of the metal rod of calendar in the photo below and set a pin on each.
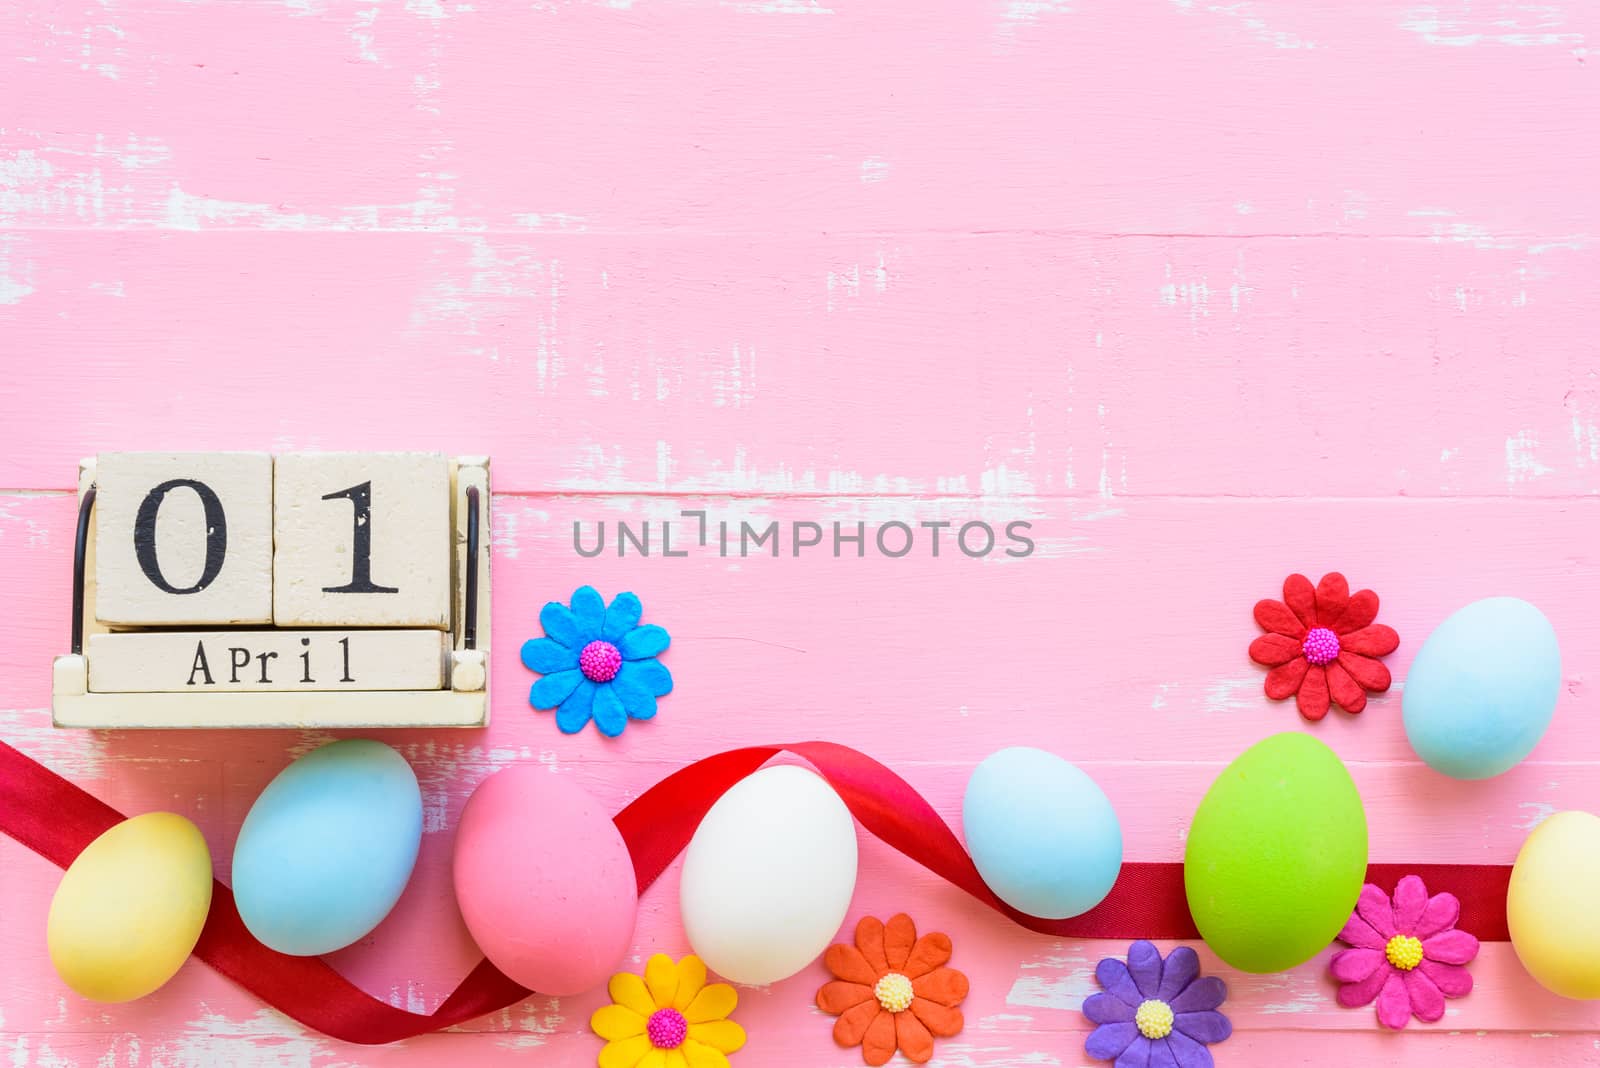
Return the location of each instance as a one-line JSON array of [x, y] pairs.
[[469, 637], [80, 556]]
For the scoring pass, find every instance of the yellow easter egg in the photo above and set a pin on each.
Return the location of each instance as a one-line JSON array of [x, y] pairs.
[[1550, 905], [130, 908]]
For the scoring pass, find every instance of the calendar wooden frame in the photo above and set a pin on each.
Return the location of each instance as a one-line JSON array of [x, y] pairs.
[[462, 702]]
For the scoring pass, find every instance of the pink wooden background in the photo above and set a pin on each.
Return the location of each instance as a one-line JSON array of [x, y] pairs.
[[1208, 292]]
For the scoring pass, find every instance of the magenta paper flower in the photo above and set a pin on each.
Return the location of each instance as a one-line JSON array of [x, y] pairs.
[[1407, 954]]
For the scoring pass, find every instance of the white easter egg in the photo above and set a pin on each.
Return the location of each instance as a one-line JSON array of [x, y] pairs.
[[768, 876]]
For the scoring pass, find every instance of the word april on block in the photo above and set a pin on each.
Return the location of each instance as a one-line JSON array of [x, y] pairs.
[[250, 660]]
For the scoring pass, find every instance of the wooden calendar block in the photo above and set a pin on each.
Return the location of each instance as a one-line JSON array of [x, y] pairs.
[[233, 661], [362, 539], [382, 558], [183, 538]]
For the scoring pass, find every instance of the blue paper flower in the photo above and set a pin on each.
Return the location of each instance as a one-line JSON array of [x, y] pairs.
[[598, 663]]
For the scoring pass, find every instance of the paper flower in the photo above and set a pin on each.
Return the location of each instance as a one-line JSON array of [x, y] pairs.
[[892, 990], [1408, 954], [668, 1019], [1323, 644], [1154, 1012], [597, 663]]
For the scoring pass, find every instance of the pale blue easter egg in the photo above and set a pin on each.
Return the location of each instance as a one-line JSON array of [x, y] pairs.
[[1483, 688], [1043, 834], [328, 847]]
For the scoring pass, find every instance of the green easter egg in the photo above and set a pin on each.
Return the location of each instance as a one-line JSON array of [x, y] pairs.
[[1276, 855]]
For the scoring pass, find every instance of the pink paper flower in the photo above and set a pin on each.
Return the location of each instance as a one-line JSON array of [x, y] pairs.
[[1406, 954]]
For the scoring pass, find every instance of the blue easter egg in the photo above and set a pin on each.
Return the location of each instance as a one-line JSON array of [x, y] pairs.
[[1483, 688], [1043, 834], [328, 847]]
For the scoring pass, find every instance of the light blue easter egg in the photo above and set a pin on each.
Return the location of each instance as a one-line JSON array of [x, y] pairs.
[[1483, 688], [1043, 834], [328, 847]]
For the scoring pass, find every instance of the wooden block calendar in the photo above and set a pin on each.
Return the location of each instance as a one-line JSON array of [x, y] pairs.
[[300, 590]]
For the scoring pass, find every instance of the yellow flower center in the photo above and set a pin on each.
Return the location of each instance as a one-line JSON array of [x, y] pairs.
[[893, 992], [1404, 952], [1154, 1019]]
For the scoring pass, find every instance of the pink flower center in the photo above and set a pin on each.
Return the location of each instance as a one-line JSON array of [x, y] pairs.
[[1321, 646], [667, 1029], [600, 661]]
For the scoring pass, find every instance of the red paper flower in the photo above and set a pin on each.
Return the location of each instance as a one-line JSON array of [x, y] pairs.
[[1323, 644]]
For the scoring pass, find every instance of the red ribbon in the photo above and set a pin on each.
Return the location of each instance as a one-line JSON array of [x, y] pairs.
[[58, 820]]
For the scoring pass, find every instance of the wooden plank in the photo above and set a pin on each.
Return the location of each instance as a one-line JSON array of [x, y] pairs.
[[1059, 974], [301, 710], [1004, 364], [233, 1032], [1276, 118], [998, 650], [234, 661]]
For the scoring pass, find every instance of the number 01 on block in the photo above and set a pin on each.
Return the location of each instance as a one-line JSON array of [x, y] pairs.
[[308, 589]]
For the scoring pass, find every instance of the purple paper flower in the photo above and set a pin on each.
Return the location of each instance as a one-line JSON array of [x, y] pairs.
[[1406, 954], [1155, 1013]]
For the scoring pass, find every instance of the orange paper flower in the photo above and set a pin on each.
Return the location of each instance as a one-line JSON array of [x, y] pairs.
[[892, 991]]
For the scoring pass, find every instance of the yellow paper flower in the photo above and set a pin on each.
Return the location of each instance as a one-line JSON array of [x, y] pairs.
[[668, 1019]]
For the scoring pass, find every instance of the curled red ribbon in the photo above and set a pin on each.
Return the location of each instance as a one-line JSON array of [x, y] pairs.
[[58, 820]]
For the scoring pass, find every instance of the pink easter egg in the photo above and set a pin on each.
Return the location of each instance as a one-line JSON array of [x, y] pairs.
[[544, 881]]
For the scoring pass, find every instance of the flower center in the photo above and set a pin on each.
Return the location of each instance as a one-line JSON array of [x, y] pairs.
[[1404, 952], [600, 661], [893, 992], [1153, 1019], [1321, 646], [667, 1029]]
